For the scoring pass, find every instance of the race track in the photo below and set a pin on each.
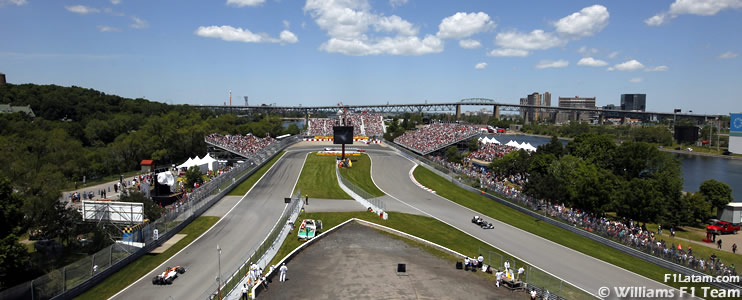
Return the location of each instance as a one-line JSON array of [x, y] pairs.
[[236, 233], [252, 218], [391, 174]]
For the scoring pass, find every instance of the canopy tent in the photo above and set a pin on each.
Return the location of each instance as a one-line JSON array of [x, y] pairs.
[[195, 162], [187, 164], [512, 143], [210, 162], [494, 140]]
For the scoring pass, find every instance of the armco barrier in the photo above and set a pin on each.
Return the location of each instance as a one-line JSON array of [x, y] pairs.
[[623, 248], [358, 194], [57, 284]]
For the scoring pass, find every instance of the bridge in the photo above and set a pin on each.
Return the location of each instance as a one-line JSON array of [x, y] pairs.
[[497, 107]]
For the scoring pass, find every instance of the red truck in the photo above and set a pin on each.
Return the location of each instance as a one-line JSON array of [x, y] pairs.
[[722, 227]]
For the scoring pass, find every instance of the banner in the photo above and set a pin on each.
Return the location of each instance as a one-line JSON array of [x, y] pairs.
[[735, 133]]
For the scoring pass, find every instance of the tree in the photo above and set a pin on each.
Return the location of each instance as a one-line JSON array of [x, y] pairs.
[[293, 129], [193, 176], [718, 194], [554, 147], [453, 154], [699, 207], [472, 145], [598, 149], [151, 210]]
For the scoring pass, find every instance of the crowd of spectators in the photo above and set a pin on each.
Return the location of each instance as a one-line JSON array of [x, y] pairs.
[[436, 135], [364, 124], [490, 152], [627, 232], [244, 144]]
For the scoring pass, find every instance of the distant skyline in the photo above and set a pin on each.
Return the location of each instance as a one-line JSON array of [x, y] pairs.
[[682, 54]]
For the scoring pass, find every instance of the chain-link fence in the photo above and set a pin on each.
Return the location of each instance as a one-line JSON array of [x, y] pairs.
[[258, 255], [375, 201], [193, 204]]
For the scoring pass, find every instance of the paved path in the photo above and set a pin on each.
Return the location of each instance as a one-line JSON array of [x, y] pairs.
[[333, 205], [391, 174]]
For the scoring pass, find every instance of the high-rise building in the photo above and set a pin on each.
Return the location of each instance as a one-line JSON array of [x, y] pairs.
[[575, 102], [547, 99], [635, 102], [2, 79], [523, 111]]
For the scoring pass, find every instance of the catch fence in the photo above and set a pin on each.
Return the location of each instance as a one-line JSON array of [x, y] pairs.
[[375, 201], [74, 279]]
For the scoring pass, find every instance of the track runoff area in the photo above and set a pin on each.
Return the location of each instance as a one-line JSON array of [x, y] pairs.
[[250, 219]]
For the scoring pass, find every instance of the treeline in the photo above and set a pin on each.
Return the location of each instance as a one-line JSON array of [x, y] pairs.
[[634, 179], [82, 132], [656, 134]]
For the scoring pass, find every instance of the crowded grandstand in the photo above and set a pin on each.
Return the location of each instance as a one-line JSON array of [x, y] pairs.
[[364, 124], [435, 136], [243, 144]]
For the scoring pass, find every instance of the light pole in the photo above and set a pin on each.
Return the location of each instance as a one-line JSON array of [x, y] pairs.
[[219, 275]]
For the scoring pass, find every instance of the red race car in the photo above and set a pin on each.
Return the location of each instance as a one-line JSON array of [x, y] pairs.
[[722, 227]]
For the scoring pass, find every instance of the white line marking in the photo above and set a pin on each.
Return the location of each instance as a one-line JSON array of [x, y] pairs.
[[207, 231]]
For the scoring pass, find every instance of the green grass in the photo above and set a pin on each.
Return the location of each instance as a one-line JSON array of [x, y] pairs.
[[246, 185], [437, 232], [360, 175], [318, 179], [140, 267], [535, 226]]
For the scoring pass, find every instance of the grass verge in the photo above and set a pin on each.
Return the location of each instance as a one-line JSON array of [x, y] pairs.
[[318, 179], [437, 232], [360, 175], [140, 267], [246, 185], [496, 210]]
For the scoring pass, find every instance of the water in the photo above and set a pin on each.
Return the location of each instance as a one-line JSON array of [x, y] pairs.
[[695, 168], [298, 123]]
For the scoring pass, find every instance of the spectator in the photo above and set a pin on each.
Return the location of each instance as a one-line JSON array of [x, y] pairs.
[[246, 145], [435, 136]]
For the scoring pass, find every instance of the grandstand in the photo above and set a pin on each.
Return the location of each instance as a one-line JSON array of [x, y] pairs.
[[364, 124], [238, 144], [436, 136]]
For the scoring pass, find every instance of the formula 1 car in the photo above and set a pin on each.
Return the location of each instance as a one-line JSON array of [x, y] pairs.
[[169, 275], [482, 223]]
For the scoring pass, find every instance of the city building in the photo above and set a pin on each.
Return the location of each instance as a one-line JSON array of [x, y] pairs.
[[529, 114], [2, 79], [634, 102], [575, 102], [7, 108]]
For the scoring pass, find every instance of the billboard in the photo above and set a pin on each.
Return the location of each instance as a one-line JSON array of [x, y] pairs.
[[735, 133], [113, 211], [343, 135]]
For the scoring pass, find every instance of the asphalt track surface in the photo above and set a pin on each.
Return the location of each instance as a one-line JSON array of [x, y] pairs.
[[252, 218], [245, 227], [391, 175]]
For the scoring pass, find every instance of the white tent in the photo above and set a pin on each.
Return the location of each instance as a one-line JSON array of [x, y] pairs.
[[494, 140], [485, 140], [186, 164], [512, 143], [210, 162]]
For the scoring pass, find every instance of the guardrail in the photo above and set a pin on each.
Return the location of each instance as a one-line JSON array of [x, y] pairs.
[[76, 278], [445, 173], [258, 255], [366, 198]]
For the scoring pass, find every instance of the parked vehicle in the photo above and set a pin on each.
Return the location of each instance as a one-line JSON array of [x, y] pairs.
[[308, 229], [722, 227]]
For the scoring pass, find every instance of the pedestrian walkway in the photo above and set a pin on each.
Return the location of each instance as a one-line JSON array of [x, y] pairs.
[[727, 241], [111, 192], [332, 205]]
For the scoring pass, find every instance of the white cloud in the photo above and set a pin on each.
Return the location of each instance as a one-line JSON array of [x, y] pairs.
[[112, 12], [588, 21], [81, 9], [13, 2], [628, 66], [544, 64], [348, 24], [693, 7], [462, 25], [728, 55], [636, 80], [243, 3], [395, 24], [470, 44], [139, 23], [535, 40], [232, 34], [587, 51], [115, 2], [591, 62], [656, 69], [288, 37], [613, 54], [508, 52], [480, 65], [103, 28], [397, 3]]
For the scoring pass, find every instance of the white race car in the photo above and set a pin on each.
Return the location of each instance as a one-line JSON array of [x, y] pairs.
[[169, 275]]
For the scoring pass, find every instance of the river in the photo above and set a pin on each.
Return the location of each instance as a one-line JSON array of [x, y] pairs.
[[696, 168]]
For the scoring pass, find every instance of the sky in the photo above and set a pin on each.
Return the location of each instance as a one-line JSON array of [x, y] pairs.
[[682, 54]]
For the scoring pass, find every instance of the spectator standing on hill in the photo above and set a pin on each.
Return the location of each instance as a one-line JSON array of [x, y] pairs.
[[734, 248], [718, 243]]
